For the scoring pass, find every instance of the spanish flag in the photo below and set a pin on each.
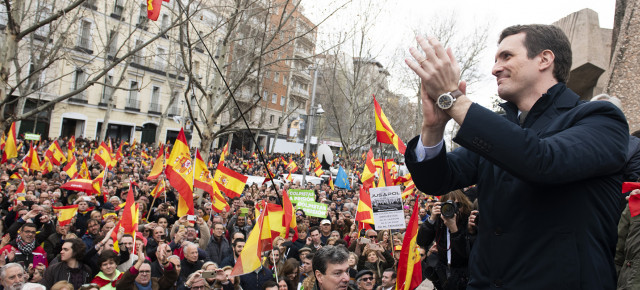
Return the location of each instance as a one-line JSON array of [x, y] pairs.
[[33, 162], [160, 188], [364, 213], [144, 155], [318, 171], [65, 213], [97, 183], [202, 177], [180, 174], [218, 202], [331, 183], [16, 175], [119, 154], [289, 216], [409, 189], [259, 240], [289, 177], [130, 214], [103, 155], [47, 166], [72, 168], [158, 165], [71, 145], [21, 189], [55, 154], [225, 151], [384, 132], [84, 170], [292, 167], [10, 145], [409, 267], [369, 171], [229, 181]]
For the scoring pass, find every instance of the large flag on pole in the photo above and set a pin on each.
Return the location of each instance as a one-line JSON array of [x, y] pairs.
[[384, 132], [103, 155], [409, 267], [369, 171], [71, 168], [10, 144], [55, 153], [65, 213], [259, 241], [202, 177], [180, 174], [364, 213], [230, 182], [289, 216], [33, 162], [342, 180], [158, 165]]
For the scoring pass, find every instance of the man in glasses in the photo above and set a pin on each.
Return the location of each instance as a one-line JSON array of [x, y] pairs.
[[365, 280]]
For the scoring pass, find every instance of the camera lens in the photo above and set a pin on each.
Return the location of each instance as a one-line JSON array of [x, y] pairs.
[[448, 209]]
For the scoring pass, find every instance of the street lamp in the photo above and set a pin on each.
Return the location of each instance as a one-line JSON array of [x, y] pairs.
[[314, 111]]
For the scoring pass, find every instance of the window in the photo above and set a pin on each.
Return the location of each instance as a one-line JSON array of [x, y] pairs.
[[79, 79], [277, 77], [282, 101], [142, 18], [174, 109], [284, 79], [265, 96], [271, 117], [160, 59], [112, 43], [279, 120], [274, 98], [118, 8], [132, 102], [164, 21], [155, 95], [85, 35], [137, 56], [37, 84], [43, 13], [107, 90]]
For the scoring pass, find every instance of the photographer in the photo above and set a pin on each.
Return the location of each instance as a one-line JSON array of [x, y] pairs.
[[447, 226]]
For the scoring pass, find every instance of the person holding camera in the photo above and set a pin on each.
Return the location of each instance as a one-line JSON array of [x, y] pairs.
[[447, 226]]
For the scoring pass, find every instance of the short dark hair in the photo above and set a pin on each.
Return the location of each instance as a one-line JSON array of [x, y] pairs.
[[314, 228], [539, 37], [108, 255], [238, 240], [29, 225], [78, 247], [393, 271], [269, 284], [329, 255]]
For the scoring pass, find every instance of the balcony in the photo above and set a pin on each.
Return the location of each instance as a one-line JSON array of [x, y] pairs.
[[300, 92], [80, 98], [159, 65], [301, 73], [303, 54], [132, 105], [155, 109], [174, 111]]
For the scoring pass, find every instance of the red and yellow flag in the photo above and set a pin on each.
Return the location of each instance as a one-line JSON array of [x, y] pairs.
[[364, 212], [384, 132], [33, 162], [318, 171], [160, 188], [180, 174], [225, 151], [55, 154], [218, 202], [72, 168], [202, 177], [71, 145], [46, 166], [409, 189], [158, 165], [103, 155], [369, 171], [130, 214], [84, 170], [409, 267], [16, 175], [331, 183], [21, 189], [65, 213], [97, 182], [259, 240], [10, 145], [230, 182], [289, 216], [119, 154], [153, 9], [292, 167]]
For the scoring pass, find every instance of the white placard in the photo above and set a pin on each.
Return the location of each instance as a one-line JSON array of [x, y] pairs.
[[386, 203]]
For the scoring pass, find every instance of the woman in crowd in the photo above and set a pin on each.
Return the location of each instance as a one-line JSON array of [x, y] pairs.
[[291, 270], [109, 275]]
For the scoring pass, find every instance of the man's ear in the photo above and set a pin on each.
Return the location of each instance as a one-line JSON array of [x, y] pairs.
[[319, 276], [546, 59]]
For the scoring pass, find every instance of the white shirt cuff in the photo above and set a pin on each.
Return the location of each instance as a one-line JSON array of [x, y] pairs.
[[427, 152]]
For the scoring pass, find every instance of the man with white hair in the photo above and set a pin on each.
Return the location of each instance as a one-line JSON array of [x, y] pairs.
[[190, 263], [12, 276]]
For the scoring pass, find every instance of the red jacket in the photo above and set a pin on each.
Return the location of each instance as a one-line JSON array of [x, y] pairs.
[[38, 251]]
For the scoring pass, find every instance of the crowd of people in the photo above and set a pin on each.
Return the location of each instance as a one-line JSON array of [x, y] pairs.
[[172, 252], [546, 177]]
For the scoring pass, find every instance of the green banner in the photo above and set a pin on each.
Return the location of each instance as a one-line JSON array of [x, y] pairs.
[[29, 136], [298, 195], [314, 209]]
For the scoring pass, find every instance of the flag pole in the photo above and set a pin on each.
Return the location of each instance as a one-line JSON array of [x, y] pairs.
[[152, 202], [275, 266]]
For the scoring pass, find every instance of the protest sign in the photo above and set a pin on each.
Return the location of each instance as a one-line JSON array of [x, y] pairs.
[[314, 209], [386, 203], [298, 195]]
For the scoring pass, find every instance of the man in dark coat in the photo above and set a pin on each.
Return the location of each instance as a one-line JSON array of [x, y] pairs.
[[548, 173]]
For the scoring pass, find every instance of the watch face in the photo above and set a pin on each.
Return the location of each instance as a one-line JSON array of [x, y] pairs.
[[445, 101]]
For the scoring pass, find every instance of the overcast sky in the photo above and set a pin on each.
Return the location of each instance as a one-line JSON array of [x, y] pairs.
[[394, 23]]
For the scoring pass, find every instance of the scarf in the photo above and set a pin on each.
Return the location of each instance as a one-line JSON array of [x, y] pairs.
[[140, 287], [25, 248]]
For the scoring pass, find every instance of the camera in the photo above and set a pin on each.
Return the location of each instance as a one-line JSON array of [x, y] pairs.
[[449, 209]]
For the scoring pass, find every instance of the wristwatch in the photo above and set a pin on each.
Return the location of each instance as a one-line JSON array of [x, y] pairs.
[[446, 100]]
